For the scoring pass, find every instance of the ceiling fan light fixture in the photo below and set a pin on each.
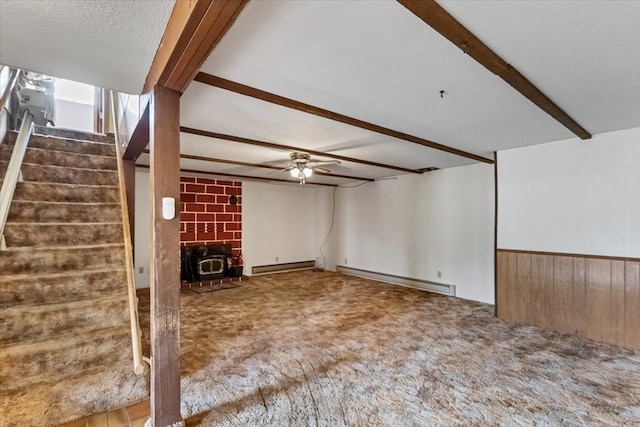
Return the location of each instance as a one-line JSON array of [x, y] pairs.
[[302, 166], [301, 172]]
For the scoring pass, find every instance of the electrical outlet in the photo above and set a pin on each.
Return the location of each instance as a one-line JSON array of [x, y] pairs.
[[277, 259], [439, 274], [345, 261], [140, 270]]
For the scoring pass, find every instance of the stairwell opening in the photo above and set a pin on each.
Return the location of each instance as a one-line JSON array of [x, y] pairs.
[[67, 104], [74, 104], [67, 351]]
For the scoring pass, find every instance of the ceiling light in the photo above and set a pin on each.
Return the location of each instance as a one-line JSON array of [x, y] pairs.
[[301, 172]]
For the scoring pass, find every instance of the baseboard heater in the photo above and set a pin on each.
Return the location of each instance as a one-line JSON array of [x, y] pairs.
[[281, 268], [425, 285]]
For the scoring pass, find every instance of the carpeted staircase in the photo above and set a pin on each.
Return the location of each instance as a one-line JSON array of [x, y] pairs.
[[65, 345]]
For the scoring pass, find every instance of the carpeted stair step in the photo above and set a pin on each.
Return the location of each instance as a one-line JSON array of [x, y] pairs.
[[72, 134], [65, 345], [58, 319], [106, 148], [51, 403], [19, 234], [61, 158], [64, 175], [48, 192], [57, 357], [22, 211], [33, 289], [46, 260]]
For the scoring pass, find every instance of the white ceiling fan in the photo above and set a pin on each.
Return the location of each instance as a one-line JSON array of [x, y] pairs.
[[301, 166]]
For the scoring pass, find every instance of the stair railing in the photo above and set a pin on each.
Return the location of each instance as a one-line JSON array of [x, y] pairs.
[[136, 343], [12, 175]]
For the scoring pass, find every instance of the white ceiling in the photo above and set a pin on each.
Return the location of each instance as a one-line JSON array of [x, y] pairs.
[[103, 43], [583, 54], [376, 61], [372, 60]]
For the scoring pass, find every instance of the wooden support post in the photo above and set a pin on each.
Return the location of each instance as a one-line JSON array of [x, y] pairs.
[[164, 180]]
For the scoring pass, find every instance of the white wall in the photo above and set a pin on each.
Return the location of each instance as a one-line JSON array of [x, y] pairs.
[[417, 225], [287, 222], [412, 226], [326, 227], [74, 115], [142, 230], [572, 196]]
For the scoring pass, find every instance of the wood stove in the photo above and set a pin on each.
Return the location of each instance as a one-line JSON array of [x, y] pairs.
[[212, 267], [204, 262]]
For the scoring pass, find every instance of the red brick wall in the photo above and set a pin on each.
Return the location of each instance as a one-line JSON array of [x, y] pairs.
[[206, 216]]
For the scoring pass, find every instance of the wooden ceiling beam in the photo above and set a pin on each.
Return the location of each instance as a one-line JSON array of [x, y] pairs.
[[139, 138], [249, 177], [262, 166], [194, 29], [290, 148], [310, 109], [440, 20]]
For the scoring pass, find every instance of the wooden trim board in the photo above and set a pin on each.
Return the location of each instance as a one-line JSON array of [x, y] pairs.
[[618, 258], [139, 138], [194, 29], [262, 166], [321, 112], [592, 296], [245, 177], [440, 20], [164, 181], [290, 148]]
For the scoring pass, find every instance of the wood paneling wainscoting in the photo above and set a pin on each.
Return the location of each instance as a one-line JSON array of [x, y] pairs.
[[592, 296]]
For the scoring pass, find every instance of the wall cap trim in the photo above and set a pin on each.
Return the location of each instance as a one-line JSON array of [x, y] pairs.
[[613, 258]]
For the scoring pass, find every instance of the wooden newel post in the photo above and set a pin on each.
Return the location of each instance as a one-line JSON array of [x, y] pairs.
[[164, 179]]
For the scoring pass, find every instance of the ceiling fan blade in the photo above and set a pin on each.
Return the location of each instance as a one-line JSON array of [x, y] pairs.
[[314, 163], [282, 163], [281, 170], [321, 170]]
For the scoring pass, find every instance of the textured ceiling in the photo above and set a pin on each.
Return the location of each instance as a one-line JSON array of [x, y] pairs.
[[583, 54], [376, 61], [372, 60], [108, 44]]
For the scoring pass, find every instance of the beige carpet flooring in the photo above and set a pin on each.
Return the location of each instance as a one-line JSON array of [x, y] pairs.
[[323, 349]]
